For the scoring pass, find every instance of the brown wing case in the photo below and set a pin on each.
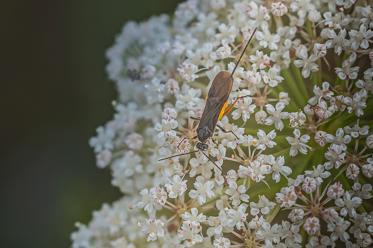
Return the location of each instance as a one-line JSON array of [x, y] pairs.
[[218, 94]]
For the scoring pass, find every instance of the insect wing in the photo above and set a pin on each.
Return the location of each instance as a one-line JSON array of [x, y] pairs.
[[211, 112]]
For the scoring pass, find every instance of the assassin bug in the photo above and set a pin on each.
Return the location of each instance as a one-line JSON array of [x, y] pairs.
[[216, 107]]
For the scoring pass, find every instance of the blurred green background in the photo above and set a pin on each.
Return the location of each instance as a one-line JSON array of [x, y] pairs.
[[54, 93]]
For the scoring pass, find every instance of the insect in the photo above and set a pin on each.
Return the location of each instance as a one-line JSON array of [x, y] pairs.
[[216, 107]]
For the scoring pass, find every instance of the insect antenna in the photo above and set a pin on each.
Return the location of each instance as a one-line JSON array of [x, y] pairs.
[[177, 155], [247, 44]]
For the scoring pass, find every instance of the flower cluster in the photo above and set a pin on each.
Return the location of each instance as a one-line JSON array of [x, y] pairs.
[[290, 166]]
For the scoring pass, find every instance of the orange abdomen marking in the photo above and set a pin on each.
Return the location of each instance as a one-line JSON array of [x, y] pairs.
[[222, 111]]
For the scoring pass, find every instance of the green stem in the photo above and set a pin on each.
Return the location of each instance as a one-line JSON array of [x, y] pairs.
[[299, 79], [297, 91]]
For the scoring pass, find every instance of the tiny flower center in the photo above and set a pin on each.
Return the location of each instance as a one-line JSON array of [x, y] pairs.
[[261, 100]]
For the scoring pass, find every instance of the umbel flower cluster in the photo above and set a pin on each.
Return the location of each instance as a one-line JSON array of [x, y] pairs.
[[293, 163]]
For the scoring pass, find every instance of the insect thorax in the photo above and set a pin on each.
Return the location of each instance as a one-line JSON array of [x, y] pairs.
[[203, 133]]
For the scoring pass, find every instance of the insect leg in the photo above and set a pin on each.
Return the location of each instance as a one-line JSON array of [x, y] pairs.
[[181, 141], [212, 161], [225, 131], [177, 155], [230, 107], [185, 139]]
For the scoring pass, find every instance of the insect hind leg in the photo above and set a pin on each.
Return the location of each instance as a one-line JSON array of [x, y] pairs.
[[229, 109]]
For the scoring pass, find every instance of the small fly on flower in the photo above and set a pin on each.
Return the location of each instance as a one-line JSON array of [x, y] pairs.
[[216, 107]]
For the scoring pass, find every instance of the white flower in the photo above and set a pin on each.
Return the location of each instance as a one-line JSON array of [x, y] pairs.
[[323, 93], [312, 225], [309, 185], [222, 242], [368, 168], [338, 41], [319, 50], [237, 194], [172, 86], [276, 115], [347, 71], [124, 168], [258, 13], [153, 228], [176, 187], [339, 229], [335, 191], [188, 98], [169, 114], [320, 137], [121, 242], [296, 215], [279, 9], [266, 140], [203, 190], [339, 139], [200, 166], [352, 171], [345, 3], [260, 116], [256, 170], [363, 191], [319, 241], [287, 197], [297, 119], [103, 158], [227, 34], [369, 141], [191, 234], [264, 206], [166, 130], [348, 204], [217, 4], [335, 156], [357, 131], [319, 173], [266, 39], [152, 199], [360, 38], [272, 76], [298, 143], [222, 52], [278, 168], [103, 140], [188, 71], [290, 232], [134, 141], [237, 217], [244, 108], [230, 134], [269, 234], [260, 60], [194, 217], [307, 63]]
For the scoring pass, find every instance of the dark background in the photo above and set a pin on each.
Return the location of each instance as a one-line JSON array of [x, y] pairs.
[[54, 93]]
